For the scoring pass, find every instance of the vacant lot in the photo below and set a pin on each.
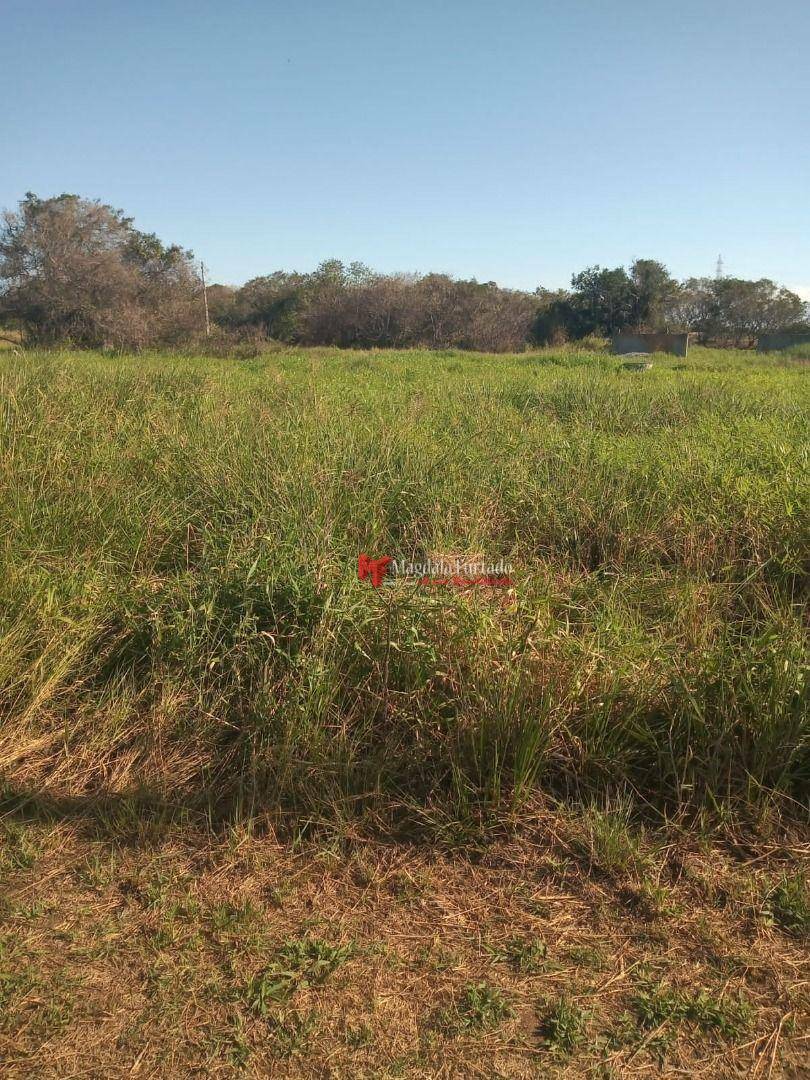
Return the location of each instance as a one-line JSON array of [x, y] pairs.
[[258, 815]]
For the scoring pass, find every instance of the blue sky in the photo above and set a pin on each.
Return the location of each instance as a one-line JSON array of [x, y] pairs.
[[515, 141]]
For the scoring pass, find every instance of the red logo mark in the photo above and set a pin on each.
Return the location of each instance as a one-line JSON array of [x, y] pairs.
[[375, 569]]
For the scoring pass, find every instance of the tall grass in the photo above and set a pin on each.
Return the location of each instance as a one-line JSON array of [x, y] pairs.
[[180, 611]]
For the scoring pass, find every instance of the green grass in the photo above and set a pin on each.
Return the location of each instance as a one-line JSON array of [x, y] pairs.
[[606, 841], [788, 905], [656, 1005], [180, 614], [478, 1008], [563, 1025], [298, 963], [800, 351], [525, 956]]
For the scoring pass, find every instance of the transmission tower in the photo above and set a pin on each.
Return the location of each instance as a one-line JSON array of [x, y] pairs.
[[718, 270]]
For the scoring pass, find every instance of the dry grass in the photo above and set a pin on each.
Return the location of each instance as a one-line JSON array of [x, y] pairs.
[[135, 947], [10, 339]]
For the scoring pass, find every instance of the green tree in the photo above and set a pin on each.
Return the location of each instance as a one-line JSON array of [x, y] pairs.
[[735, 310], [653, 291], [602, 300]]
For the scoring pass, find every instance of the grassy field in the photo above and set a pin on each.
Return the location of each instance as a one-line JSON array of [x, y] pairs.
[[259, 816]]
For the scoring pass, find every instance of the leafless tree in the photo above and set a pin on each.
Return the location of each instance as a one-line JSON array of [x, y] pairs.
[[77, 271]]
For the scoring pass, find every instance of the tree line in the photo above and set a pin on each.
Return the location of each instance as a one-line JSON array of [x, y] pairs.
[[76, 271]]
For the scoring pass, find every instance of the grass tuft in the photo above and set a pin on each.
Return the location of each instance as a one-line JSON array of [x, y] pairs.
[[480, 1006], [788, 905], [563, 1024], [657, 1004], [300, 962]]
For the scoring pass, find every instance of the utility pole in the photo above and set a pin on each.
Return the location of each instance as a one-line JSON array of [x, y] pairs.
[[205, 301]]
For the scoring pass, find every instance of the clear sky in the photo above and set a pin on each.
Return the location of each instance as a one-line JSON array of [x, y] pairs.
[[513, 140]]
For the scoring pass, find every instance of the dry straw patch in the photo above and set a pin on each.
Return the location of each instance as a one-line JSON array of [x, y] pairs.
[[184, 951]]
